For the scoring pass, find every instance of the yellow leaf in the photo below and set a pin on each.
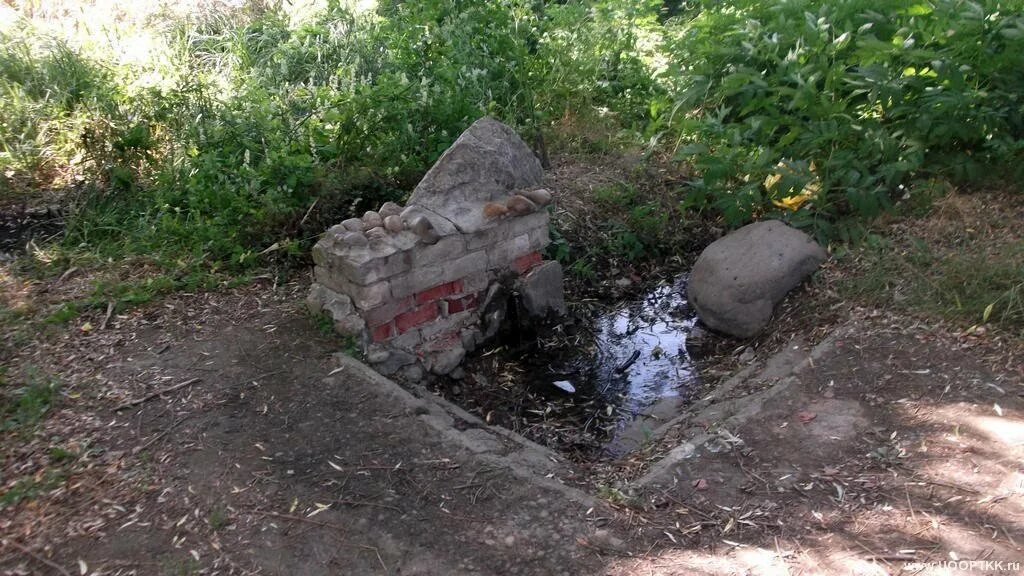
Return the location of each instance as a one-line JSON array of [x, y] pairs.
[[988, 312], [87, 327], [793, 202]]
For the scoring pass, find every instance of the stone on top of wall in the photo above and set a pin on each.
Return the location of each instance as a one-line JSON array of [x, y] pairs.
[[414, 283], [483, 165]]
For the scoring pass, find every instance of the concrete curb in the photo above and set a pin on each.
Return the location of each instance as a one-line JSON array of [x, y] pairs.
[[784, 367], [493, 444]]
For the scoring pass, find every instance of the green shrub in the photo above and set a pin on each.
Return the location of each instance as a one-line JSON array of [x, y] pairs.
[[835, 106], [258, 117]]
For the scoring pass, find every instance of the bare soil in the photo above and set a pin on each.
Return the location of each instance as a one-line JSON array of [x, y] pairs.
[[901, 443]]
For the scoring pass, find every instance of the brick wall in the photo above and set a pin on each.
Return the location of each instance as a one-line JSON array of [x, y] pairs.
[[403, 297], [413, 283]]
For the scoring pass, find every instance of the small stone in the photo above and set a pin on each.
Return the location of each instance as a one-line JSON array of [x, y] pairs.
[[411, 373], [424, 229], [471, 338], [353, 225], [389, 209], [540, 196], [459, 373], [443, 362], [494, 210], [377, 354], [393, 223], [371, 220], [520, 205], [747, 356], [605, 539], [354, 239], [395, 361], [376, 234]]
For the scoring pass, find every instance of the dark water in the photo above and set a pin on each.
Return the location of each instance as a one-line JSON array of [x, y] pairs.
[[632, 398]]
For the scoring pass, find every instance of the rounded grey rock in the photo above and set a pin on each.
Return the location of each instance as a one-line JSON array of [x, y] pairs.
[[739, 278], [353, 225], [354, 239], [389, 209], [372, 219], [393, 223]]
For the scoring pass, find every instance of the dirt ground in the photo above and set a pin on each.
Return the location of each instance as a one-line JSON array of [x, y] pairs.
[[218, 433]]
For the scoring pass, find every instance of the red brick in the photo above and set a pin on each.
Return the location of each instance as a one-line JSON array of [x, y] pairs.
[[439, 291], [524, 263], [382, 332], [413, 318], [387, 311], [456, 305]]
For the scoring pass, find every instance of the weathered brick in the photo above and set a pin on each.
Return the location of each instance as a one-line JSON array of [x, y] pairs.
[[364, 297], [371, 271], [523, 224], [388, 310], [439, 291], [416, 317], [416, 280], [447, 248], [539, 238], [476, 281], [466, 265], [382, 332], [453, 322], [456, 305], [526, 261], [502, 254], [485, 238]]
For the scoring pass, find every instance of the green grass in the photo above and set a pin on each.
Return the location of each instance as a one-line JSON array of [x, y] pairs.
[[971, 285], [239, 135], [23, 407], [30, 487]]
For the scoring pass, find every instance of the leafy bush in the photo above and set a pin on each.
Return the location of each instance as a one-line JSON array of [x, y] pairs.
[[823, 110], [246, 132], [261, 118]]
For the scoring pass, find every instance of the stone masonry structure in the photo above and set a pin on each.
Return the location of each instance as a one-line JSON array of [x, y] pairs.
[[420, 286]]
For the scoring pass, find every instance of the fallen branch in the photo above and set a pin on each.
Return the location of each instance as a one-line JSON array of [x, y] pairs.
[[110, 312], [159, 436], [60, 569], [625, 365], [297, 519], [152, 395]]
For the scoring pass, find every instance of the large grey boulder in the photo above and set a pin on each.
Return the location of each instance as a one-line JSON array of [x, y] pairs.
[[485, 163], [739, 278]]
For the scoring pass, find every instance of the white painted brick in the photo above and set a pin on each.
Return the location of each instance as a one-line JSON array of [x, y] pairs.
[[466, 265], [539, 239], [524, 224], [502, 254], [446, 248], [364, 297], [374, 270], [417, 280], [485, 238]]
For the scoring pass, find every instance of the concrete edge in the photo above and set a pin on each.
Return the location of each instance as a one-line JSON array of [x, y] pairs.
[[727, 413], [493, 444]]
